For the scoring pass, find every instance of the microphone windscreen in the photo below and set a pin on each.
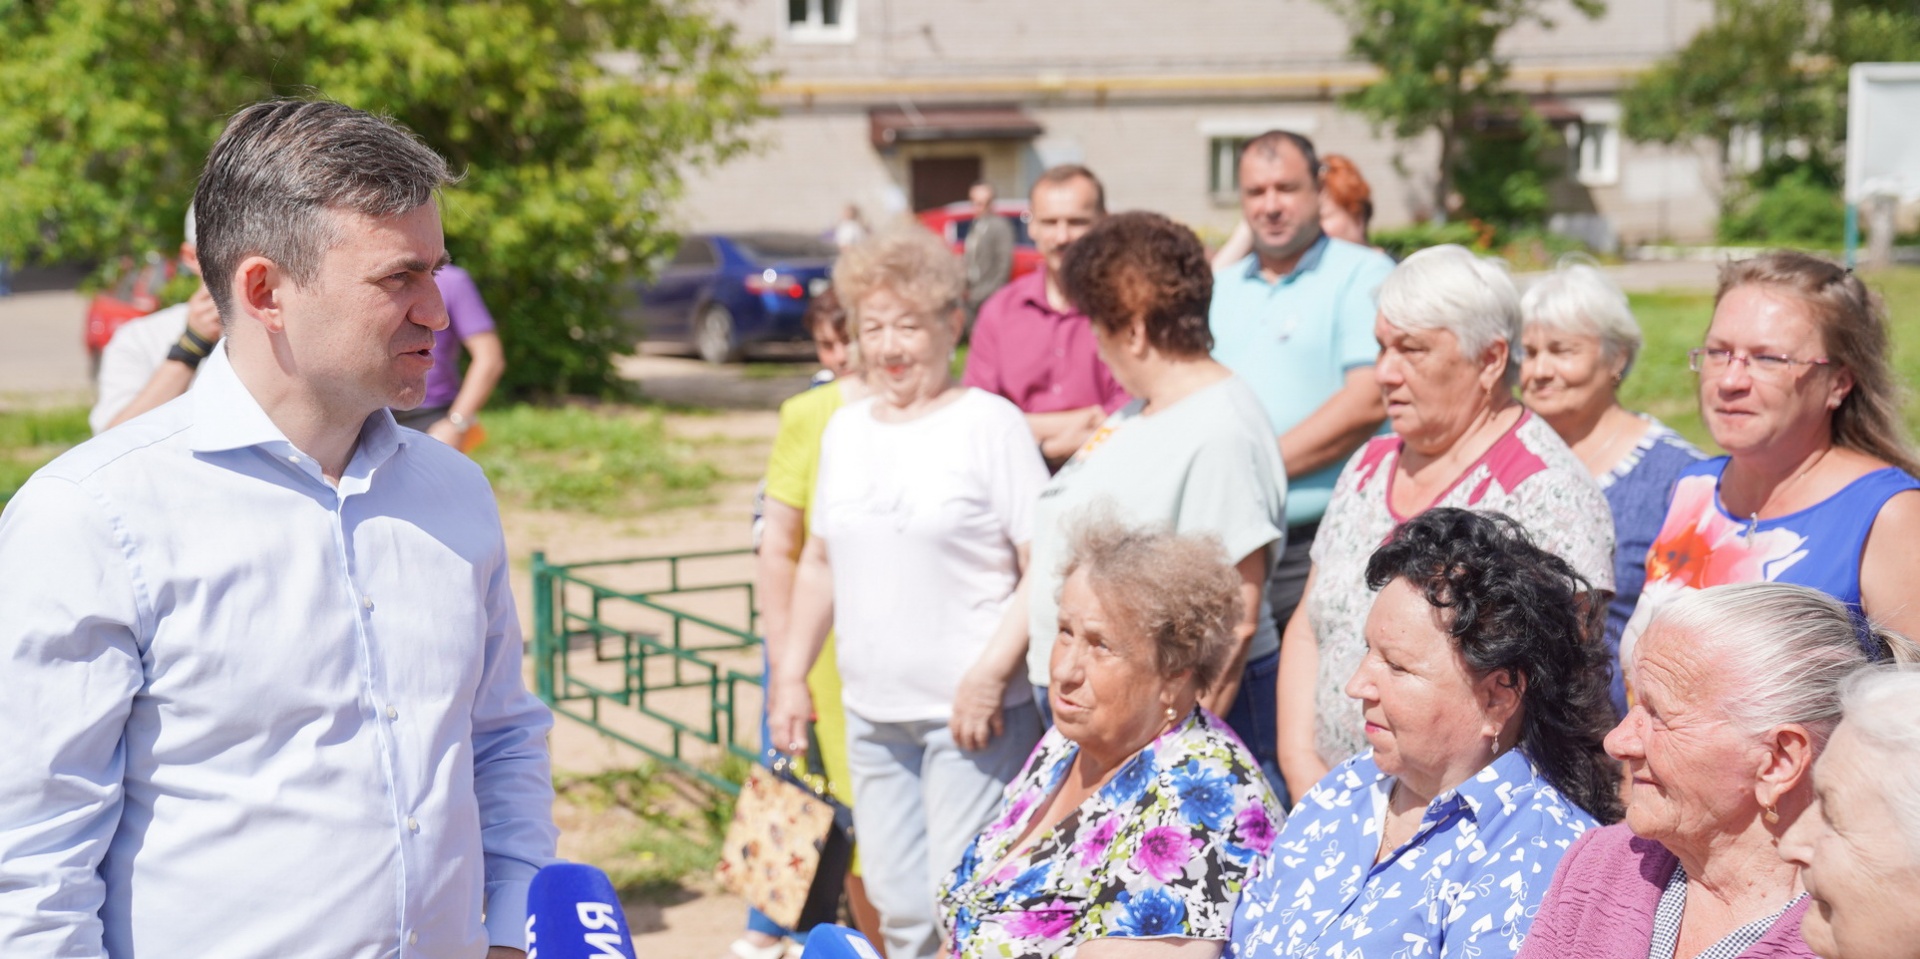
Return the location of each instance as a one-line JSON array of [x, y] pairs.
[[574, 913], [838, 942]]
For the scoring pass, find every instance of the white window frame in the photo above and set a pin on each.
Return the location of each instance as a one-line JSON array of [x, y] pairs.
[[1595, 145], [1225, 135], [813, 29]]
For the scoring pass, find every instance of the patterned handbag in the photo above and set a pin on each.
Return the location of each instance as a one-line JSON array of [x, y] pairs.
[[788, 848]]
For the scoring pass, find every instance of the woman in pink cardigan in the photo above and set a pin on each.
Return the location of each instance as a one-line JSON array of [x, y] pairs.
[[1736, 690]]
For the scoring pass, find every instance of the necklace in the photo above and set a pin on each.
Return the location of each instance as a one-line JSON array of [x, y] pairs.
[[1753, 518]]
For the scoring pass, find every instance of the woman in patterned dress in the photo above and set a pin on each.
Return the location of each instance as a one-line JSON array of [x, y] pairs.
[[1580, 340], [1737, 690], [1140, 813], [1448, 328], [1819, 485], [1484, 692]]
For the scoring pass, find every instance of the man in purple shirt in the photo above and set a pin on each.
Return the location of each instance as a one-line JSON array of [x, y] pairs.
[[453, 401], [1033, 347]]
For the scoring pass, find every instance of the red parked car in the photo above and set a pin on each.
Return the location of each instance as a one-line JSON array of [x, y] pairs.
[[954, 220], [136, 294]]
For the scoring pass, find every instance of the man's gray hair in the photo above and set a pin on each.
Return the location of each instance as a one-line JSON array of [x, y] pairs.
[[281, 170], [1786, 650], [1578, 298], [1448, 288], [1883, 706]]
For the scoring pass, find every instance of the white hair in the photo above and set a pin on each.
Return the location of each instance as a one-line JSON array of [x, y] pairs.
[[1883, 706], [1448, 288], [192, 233], [1578, 298], [1786, 650]]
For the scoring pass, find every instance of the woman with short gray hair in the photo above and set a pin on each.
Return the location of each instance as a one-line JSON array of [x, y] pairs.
[[1580, 341], [1737, 690], [1858, 846], [1448, 327]]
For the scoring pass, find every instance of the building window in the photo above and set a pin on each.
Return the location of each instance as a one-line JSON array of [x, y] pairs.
[[1223, 168], [829, 21], [1596, 152]]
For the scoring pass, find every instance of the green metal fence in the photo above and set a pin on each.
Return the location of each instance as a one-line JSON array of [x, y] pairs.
[[653, 651]]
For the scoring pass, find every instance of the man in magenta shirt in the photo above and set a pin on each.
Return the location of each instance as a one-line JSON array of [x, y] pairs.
[[453, 400], [1033, 347]]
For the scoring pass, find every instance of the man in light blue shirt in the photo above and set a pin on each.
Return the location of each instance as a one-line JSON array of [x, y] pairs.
[[1295, 320], [259, 663]]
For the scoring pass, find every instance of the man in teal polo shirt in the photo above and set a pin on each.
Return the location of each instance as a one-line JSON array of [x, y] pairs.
[[1295, 319]]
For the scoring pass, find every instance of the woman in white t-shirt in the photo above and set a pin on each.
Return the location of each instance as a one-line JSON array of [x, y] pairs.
[[920, 521]]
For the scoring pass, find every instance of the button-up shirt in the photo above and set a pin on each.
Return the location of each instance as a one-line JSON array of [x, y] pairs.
[[1294, 338], [1042, 359], [1466, 885], [250, 712]]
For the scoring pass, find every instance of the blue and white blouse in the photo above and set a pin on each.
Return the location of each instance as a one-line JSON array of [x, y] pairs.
[[1466, 885]]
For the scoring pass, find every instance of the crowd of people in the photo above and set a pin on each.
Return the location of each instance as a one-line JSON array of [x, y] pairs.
[[1304, 604], [1299, 602]]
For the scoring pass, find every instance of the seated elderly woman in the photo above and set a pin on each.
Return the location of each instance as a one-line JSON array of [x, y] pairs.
[[1736, 690], [1484, 693], [919, 526], [1135, 821], [1448, 325], [1581, 341], [1194, 450], [1858, 845]]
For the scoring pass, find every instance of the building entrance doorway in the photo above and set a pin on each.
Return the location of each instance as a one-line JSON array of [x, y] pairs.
[[938, 181]]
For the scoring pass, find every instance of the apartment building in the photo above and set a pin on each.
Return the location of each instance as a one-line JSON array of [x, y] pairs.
[[898, 105]]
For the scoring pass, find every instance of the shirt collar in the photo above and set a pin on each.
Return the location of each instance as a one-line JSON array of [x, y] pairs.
[[1309, 261], [1035, 295], [227, 417], [1491, 786]]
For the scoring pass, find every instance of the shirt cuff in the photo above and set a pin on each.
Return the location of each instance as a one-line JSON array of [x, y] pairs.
[[507, 913]]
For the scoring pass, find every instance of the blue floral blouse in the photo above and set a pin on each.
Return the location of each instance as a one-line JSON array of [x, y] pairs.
[[1466, 885], [1161, 850]]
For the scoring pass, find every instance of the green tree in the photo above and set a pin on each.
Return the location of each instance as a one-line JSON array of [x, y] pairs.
[[1441, 72], [574, 121]]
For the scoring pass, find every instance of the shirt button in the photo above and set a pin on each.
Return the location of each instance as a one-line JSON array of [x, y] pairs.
[[413, 938], [393, 713], [1056, 389], [293, 459], [413, 825], [366, 601]]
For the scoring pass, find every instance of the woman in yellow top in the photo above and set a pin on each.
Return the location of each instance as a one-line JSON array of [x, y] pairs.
[[782, 532]]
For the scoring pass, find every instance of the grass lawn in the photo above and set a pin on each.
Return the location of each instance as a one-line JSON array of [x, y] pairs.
[[1674, 323]]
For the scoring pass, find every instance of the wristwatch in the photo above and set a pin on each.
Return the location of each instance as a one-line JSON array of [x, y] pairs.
[[460, 422]]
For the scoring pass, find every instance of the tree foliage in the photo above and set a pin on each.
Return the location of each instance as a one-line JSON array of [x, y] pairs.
[[1442, 72], [1776, 69], [574, 121]]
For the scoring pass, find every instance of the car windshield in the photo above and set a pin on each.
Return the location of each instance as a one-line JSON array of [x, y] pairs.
[[1020, 237], [783, 246]]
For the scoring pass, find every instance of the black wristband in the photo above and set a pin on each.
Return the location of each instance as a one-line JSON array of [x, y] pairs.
[[190, 349]]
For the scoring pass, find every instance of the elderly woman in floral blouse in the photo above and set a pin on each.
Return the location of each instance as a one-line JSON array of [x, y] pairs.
[[1484, 693], [1140, 813]]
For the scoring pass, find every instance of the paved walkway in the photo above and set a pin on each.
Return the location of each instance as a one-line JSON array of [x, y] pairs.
[[45, 361]]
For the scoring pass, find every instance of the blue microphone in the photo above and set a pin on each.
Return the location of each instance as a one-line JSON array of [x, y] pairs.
[[573, 913], [838, 942]]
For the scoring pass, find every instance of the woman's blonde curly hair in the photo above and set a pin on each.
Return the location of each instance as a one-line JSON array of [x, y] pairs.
[[1176, 589], [907, 261]]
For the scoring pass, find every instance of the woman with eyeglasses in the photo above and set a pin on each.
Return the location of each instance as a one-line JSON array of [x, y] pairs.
[[1818, 485]]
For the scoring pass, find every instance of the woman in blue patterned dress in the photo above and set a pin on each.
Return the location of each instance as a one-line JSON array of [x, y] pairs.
[[1484, 693], [1581, 340], [1139, 815]]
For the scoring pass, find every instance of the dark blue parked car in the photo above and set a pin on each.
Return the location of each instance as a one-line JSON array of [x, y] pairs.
[[722, 293]]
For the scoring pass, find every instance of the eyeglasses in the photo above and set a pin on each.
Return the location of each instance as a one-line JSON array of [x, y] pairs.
[[1762, 366]]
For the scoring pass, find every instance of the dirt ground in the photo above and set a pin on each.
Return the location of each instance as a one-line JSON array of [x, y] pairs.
[[699, 921]]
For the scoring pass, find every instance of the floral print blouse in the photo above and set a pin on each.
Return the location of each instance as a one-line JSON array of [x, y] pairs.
[[1466, 886], [1529, 474], [1160, 851]]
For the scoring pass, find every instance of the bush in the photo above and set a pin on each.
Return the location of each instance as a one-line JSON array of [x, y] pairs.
[[1398, 243], [1800, 208]]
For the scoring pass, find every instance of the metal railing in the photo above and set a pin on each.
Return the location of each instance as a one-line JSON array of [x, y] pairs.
[[658, 667]]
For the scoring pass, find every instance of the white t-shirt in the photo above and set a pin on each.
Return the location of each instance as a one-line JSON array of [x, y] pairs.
[[921, 520], [1207, 464], [137, 349]]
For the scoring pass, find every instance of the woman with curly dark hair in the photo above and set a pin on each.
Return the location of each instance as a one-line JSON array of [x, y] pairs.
[[1484, 692]]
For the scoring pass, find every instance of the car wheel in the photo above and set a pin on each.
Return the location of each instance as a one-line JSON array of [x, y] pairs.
[[713, 336]]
